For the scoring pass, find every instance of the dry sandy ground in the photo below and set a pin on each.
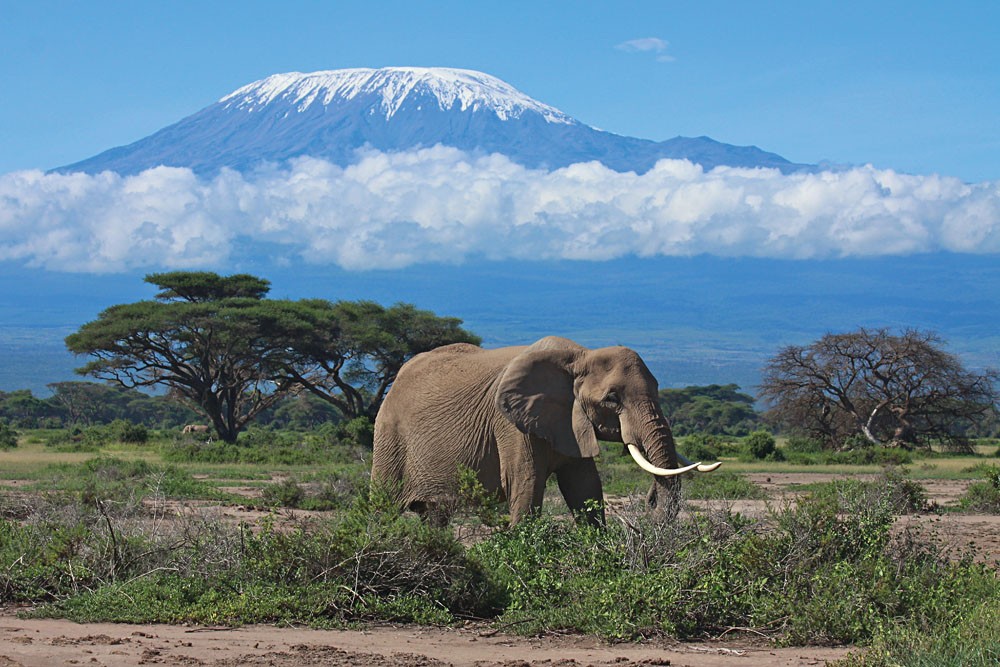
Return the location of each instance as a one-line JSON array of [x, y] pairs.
[[42, 642], [37, 643]]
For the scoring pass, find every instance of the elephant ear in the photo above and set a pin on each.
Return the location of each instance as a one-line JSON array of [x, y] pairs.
[[536, 395]]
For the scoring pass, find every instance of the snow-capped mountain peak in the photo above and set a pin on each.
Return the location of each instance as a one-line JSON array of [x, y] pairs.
[[392, 87], [331, 115]]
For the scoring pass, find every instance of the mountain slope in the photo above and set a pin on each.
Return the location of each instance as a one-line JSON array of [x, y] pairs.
[[332, 114]]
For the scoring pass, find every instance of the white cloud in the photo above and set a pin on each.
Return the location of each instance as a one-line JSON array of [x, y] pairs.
[[443, 205], [648, 45]]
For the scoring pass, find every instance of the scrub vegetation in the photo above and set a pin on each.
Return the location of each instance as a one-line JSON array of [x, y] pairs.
[[126, 536]]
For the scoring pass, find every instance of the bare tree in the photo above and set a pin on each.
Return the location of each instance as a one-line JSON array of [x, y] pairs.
[[900, 389]]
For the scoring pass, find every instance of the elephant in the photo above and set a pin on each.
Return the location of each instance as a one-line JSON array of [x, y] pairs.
[[515, 416], [195, 428]]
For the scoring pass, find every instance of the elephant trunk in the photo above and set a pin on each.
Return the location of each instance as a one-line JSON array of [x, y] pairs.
[[647, 434], [650, 441]]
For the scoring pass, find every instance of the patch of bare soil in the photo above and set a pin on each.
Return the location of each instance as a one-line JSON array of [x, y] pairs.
[[43, 642]]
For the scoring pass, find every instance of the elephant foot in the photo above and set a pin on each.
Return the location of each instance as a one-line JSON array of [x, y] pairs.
[[664, 500], [432, 513]]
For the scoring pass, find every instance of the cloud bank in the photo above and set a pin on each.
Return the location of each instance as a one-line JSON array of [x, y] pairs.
[[443, 205]]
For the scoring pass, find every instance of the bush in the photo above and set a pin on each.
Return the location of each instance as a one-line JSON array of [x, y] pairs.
[[973, 642], [798, 444], [984, 495], [8, 436], [707, 447], [286, 493], [106, 478], [826, 570], [701, 447], [898, 493], [884, 456], [370, 563], [125, 431], [722, 486], [358, 432], [78, 439], [760, 444], [255, 445]]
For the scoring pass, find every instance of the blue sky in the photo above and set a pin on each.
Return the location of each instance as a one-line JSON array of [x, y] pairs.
[[913, 86]]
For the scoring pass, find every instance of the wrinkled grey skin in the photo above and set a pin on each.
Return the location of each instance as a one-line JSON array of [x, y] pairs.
[[516, 415]]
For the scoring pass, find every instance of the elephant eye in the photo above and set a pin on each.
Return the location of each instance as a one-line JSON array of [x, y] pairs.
[[611, 399]]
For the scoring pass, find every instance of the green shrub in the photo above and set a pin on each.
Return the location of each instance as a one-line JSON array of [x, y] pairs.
[[285, 493], [338, 489], [254, 446], [798, 444], [358, 432], [123, 430], [473, 497], [368, 564], [330, 490], [78, 439], [8, 436], [898, 493], [974, 641], [828, 568], [883, 456], [983, 495], [701, 447], [107, 478], [823, 571], [722, 486], [760, 444]]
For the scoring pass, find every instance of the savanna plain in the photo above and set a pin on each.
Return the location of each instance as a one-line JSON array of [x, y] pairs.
[[178, 550]]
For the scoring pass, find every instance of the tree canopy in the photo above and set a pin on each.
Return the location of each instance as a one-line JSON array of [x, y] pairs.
[[203, 339], [352, 358], [218, 345], [713, 409], [889, 388]]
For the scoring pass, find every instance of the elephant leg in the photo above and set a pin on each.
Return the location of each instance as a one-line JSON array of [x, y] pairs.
[[432, 513], [524, 475], [581, 487]]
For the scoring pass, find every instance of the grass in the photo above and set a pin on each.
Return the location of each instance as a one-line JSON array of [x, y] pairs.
[[824, 568], [974, 641]]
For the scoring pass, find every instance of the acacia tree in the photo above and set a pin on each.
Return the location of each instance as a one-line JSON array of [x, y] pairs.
[[223, 349], [351, 356], [208, 339], [901, 389]]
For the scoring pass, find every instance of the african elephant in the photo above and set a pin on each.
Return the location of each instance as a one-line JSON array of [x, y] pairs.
[[195, 428], [515, 415]]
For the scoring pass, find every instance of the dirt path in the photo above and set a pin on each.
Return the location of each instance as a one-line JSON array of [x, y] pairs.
[[51, 643]]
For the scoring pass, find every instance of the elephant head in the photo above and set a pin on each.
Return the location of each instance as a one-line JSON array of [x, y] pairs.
[[572, 396]]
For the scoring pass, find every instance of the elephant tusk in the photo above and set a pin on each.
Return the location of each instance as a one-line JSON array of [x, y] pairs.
[[702, 467], [649, 467]]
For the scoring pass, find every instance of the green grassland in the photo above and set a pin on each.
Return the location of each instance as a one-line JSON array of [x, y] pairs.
[[99, 535]]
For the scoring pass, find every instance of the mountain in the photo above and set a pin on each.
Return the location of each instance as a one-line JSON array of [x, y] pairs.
[[331, 114]]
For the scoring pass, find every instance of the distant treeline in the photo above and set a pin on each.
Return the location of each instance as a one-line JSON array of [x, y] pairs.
[[93, 403], [713, 409]]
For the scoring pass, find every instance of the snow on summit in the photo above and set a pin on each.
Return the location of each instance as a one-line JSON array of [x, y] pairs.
[[391, 87], [332, 115]]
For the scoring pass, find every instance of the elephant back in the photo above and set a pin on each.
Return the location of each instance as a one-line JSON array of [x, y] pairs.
[[440, 404]]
